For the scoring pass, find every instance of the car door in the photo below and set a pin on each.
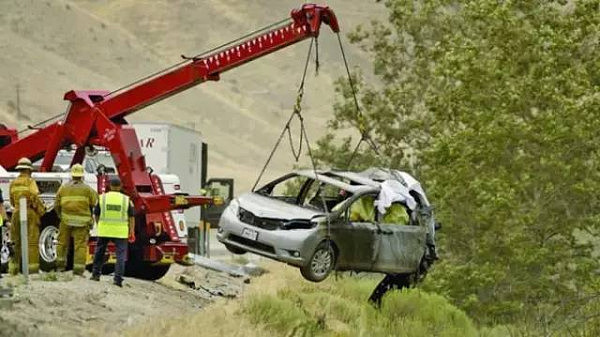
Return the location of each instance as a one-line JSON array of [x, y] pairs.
[[398, 248], [355, 239]]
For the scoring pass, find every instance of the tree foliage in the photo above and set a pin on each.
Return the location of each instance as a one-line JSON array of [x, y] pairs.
[[495, 106]]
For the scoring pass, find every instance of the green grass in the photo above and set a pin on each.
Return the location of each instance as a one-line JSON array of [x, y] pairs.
[[49, 277], [339, 308]]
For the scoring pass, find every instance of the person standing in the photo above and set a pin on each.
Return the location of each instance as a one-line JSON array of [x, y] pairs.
[[115, 223], [2, 221], [25, 187], [74, 204]]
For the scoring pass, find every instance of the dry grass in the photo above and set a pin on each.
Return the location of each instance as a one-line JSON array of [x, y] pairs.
[[281, 303], [225, 317]]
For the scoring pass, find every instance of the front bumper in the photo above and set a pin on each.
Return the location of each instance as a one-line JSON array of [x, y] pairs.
[[163, 253], [292, 246]]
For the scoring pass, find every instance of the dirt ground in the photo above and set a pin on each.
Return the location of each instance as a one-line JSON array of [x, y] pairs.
[[66, 305]]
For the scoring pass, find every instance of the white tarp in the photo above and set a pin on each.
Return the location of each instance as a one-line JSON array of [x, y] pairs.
[[393, 191]]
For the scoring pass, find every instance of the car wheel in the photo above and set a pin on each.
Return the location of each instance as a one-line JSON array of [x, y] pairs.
[[321, 263], [235, 250]]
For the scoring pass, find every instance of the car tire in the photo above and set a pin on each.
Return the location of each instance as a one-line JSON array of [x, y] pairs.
[[235, 250], [320, 264]]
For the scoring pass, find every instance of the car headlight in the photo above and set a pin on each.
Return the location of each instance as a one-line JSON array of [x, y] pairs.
[[234, 206]]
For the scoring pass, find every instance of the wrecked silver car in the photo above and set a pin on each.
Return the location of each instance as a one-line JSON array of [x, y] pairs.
[[377, 220]]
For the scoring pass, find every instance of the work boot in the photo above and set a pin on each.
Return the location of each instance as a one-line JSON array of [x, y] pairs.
[[95, 277], [118, 283]]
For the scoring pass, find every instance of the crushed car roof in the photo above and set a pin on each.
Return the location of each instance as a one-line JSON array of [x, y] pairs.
[[369, 179], [324, 177]]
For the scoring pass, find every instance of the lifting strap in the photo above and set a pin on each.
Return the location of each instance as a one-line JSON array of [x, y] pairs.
[[361, 123], [297, 112]]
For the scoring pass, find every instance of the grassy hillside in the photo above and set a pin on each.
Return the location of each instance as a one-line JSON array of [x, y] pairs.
[[50, 47], [281, 303]]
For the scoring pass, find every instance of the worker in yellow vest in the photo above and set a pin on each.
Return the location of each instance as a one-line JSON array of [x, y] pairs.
[[363, 209], [2, 220], [114, 213], [25, 187], [74, 204]]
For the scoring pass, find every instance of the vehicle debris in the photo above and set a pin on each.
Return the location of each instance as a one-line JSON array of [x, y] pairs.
[[249, 269], [210, 284]]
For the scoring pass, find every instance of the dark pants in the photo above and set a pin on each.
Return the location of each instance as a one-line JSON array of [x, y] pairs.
[[121, 247], [389, 282], [1, 242]]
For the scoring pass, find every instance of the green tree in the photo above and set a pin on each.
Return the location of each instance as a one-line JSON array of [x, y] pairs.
[[495, 106]]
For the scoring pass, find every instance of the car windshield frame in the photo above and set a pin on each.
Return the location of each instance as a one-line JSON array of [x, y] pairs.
[[311, 178]]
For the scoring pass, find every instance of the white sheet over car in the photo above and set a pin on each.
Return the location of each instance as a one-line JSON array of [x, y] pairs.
[[393, 191]]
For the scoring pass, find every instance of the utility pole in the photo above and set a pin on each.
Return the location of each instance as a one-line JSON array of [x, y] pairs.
[[18, 103]]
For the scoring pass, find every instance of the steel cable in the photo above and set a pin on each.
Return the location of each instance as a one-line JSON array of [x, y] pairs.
[[365, 136], [287, 124]]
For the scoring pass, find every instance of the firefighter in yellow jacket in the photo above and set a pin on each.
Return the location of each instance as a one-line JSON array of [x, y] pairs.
[[74, 204], [25, 187]]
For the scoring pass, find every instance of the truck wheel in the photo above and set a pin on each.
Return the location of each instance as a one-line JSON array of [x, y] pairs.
[[47, 245], [320, 264], [151, 272], [235, 250], [4, 250]]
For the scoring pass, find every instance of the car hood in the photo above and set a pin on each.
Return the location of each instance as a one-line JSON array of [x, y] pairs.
[[266, 207]]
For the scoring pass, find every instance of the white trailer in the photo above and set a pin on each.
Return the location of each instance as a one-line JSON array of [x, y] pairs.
[[172, 149]]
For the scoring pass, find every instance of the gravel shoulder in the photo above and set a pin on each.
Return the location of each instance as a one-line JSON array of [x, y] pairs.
[[65, 305]]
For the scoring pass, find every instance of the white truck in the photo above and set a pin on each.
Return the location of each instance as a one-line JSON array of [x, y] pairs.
[[48, 184], [173, 149]]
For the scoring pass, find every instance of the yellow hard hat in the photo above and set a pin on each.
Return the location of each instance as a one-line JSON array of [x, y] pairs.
[[24, 164], [77, 171]]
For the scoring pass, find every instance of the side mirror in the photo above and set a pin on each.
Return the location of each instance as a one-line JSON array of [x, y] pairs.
[[438, 226]]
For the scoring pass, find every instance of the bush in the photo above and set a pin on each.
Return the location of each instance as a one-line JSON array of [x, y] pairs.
[[279, 315], [340, 308]]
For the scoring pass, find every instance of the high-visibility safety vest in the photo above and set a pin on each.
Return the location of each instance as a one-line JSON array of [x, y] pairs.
[[114, 219], [363, 209], [396, 214]]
